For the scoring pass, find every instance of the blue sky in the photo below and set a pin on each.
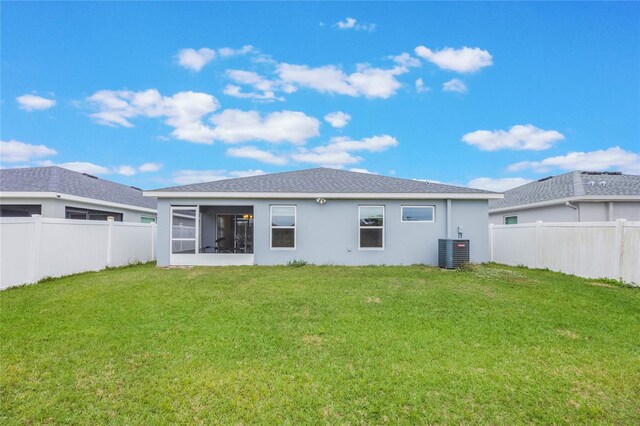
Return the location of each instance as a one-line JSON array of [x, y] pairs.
[[483, 94]]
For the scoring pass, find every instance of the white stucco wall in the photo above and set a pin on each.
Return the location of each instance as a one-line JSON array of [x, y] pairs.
[[328, 234]]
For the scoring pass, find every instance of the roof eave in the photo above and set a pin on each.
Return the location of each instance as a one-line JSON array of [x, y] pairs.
[[583, 198], [329, 195], [73, 198]]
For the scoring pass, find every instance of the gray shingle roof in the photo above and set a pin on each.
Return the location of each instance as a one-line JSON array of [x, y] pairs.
[[63, 181], [323, 180], [572, 184]]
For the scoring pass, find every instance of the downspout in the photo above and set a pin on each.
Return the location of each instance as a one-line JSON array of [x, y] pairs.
[[448, 218], [568, 204]]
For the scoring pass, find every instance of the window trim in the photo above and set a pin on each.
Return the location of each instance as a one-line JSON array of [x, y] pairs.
[[25, 207], [504, 219], [196, 230], [118, 216], [384, 220], [294, 227], [433, 214]]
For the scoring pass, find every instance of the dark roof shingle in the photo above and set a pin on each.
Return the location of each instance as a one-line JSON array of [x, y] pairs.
[[572, 184], [60, 180], [323, 180]]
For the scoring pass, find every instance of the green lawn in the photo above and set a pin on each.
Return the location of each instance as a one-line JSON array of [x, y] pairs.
[[320, 345]]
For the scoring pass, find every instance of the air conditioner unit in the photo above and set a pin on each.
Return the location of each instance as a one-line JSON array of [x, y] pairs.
[[452, 253]]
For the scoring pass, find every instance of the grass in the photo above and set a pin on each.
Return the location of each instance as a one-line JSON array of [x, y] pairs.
[[320, 345]]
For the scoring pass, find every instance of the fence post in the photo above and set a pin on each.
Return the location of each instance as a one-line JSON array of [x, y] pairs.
[[153, 240], [538, 244], [36, 242], [491, 242], [618, 247], [110, 220]]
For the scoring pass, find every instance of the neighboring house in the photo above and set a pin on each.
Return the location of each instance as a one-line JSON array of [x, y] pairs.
[[321, 216], [571, 197], [60, 193]]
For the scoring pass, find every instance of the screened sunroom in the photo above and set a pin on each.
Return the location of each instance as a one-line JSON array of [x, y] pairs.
[[212, 235]]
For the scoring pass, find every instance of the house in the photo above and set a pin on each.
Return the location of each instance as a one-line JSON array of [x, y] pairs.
[[576, 196], [321, 216], [55, 192]]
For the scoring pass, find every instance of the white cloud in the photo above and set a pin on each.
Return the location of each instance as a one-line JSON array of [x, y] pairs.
[[497, 185], [80, 167], [337, 153], [406, 60], [420, 87], [614, 158], [236, 92], [352, 24], [465, 60], [337, 119], [196, 59], [14, 151], [519, 137], [372, 144], [226, 52], [185, 177], [33, 102], [234, 126], [328, 159], [256, 154], [150, 167], [126, 170], [183, 111], [96, 169], [454, 85], [355, 169], [264, 89], [366, 81]]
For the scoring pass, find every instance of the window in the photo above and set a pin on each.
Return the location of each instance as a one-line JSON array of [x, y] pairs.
[[88, 214], [283, 227], [20, 210], [371, 224], [144, 219], [417, 213], [511, 220], [183, 230]]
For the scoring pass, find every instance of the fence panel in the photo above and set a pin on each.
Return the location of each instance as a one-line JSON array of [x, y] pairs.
[[35, 248], [586, 249], [15, 251]]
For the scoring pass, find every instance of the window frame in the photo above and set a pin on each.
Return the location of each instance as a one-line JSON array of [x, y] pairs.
[[294, 227], [196, 239], [21, 207], [117, 216], [433, 214], [360, 227], [505, 217]]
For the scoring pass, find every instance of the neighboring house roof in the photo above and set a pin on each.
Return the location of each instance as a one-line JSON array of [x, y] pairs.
[[319, 181], [62, 181], [574, 185]]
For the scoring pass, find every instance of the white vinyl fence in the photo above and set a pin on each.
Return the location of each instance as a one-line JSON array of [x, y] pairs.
[[33, 248], [585, 249]]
